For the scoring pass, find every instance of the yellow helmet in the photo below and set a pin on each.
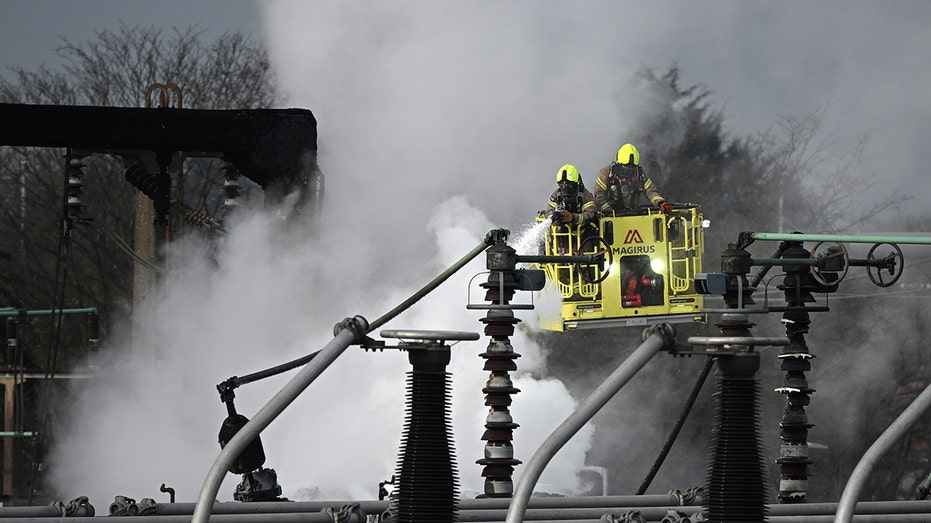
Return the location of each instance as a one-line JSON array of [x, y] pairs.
[[568, 173], [628, 154]]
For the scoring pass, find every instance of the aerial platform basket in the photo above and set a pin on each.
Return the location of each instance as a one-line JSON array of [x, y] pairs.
[[647, 265]]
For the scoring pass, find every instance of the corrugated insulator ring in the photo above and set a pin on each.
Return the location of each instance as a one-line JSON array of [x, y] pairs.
[[497, 399], [794, 418], [494, 450], [498, 416], [502, 425], [789, 450], [500, 355], [498, 488], [499, 347], [499, 380], [499, 364], [500, 390], [500, 319], [498, 434], [790, 486], [498, 469], [501, 467]]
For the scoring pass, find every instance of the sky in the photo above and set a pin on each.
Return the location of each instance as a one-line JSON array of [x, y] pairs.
[[862, 63], [439, 121]]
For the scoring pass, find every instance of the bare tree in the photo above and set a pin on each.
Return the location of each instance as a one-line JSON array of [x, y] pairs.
[[230, 72], [43, 266]]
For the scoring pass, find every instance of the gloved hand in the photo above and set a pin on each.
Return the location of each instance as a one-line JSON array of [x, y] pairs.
[[665, 206], [608, 214], [561, 217]]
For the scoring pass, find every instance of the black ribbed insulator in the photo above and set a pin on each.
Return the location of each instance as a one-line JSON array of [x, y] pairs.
[[735, 475], [427, 488], [145, 181]]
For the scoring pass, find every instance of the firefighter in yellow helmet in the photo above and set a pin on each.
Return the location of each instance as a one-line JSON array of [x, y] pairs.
[[621, 183], [571, 202]]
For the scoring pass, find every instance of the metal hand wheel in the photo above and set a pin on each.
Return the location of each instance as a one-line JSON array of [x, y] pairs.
[[829, 257], [597, 247], [890, 262]]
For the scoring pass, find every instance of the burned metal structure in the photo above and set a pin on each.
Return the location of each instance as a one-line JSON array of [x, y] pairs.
[[275, 148]]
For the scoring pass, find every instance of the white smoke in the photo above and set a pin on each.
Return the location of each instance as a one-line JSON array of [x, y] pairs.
[[438, 121], [149, 420]]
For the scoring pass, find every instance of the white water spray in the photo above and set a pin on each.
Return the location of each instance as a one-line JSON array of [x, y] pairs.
[[528, 240]]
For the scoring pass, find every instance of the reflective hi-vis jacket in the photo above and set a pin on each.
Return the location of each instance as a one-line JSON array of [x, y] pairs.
[[583, 208], [621, 194]]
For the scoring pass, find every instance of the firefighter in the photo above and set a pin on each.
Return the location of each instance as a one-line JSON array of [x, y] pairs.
[[620, 185], [571, 203]]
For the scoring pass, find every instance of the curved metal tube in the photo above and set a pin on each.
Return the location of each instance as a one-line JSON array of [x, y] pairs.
[[428, 288], [661, 335], [883, 443], [267, 414], [848, 238]]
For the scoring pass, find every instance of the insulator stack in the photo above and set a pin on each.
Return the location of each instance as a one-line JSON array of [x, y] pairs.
[[162, 200], [12, 340], [735, 476], [156, 186], [427, 487], [794, 459], [500, 359], [93, 331], [200, 219], [231, 186], [75, 187], [143, 180]]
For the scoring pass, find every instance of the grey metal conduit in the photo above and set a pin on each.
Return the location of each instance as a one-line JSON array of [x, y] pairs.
[[866, 507], [873, 518], [883, 443], [377, 507], [318, 517], [660, 336], [651, 500], [43, 511], [269, 507], [847, 238], [270, 411], [575, 514], [866, 518]]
